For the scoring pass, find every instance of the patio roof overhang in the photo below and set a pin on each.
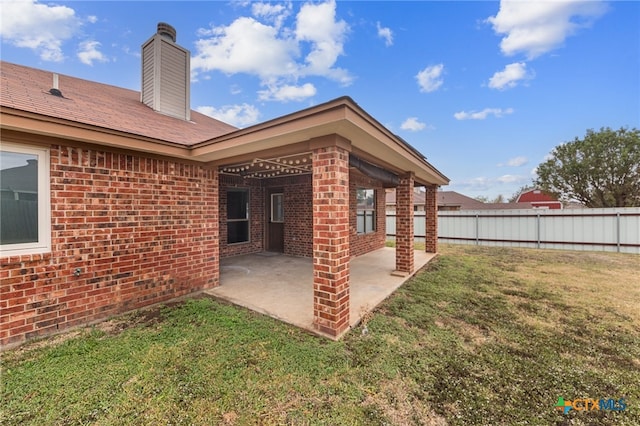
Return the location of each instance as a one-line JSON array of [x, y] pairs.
[[300, 132], [293, 134]]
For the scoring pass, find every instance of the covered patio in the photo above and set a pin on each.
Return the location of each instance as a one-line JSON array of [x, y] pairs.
[[312, 185], [281, 286]]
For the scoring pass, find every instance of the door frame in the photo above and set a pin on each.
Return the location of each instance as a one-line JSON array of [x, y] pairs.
[[267, 217]]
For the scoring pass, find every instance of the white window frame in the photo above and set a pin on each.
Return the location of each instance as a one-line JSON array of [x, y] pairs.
[[43, 245], [367, 213]]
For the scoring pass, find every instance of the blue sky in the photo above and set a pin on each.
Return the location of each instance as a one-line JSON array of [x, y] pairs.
[[484, 90]]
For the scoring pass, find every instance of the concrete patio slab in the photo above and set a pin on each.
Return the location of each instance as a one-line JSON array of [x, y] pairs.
[[282, 286]]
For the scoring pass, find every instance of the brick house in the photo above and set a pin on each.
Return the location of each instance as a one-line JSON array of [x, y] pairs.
[[138, 197]]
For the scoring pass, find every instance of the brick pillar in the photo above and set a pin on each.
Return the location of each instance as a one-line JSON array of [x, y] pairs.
[[331, 239], [431, 217], [212, 224], [404, 225]]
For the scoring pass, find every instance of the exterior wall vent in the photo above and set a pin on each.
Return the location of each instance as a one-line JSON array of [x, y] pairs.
[[166, 74]]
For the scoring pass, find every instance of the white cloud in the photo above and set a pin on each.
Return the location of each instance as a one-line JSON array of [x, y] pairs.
[[385, 33], [236, 115], [511, 179], [481, 115], [275, 13], [245, 46], [537, 27], [42, 28], [88, 52], [412, 124], [316, 23], [287, 93], [277, 54], [515, 162], [477, 183], [429, 79], [510, 76], [92, 19]]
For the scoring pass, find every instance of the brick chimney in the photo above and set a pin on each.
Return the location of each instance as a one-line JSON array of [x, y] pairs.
[[166, 74]]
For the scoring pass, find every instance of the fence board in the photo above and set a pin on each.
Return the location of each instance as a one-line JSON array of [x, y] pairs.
[[615, 229]]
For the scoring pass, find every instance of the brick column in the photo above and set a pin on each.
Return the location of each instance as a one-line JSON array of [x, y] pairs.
[[212, 223], [404, 225], [331, 239], [431, 217]]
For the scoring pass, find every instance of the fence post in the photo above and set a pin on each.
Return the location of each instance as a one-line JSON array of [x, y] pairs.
[[477, 230], [538, 226], [618, 231]]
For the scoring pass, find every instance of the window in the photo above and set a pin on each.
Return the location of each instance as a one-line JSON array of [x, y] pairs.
[[237, 216], [366, 210], [277, 208], [25, 216]]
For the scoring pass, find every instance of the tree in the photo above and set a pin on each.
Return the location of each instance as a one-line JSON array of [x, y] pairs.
[[499, 199], [601, 170], [484, 199]]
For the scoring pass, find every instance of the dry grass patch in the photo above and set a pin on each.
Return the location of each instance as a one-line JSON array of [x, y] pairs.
[[397, 405], [481, 336], [602, 284], [472, 336]]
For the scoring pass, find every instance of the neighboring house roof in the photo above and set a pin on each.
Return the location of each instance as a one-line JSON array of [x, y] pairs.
[[504, 206], [105, 115], [455, 199], [96, 104], [443, 198]]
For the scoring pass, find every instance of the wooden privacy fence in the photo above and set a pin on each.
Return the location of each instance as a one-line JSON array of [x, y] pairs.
[[614, 229]]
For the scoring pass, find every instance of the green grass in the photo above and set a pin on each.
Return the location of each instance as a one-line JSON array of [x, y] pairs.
[[482, 336]]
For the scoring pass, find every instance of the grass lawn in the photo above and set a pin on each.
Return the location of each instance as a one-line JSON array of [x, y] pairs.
[[485, 336]]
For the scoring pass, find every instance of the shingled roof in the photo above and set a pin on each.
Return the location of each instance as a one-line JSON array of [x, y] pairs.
[[96, 104]]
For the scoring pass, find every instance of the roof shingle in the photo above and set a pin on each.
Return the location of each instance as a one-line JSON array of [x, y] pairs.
[[102, 105]]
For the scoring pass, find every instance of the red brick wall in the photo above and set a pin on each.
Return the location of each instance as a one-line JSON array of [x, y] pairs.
[[298, 213], [141, 230], [364, 243], [256, 216]]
